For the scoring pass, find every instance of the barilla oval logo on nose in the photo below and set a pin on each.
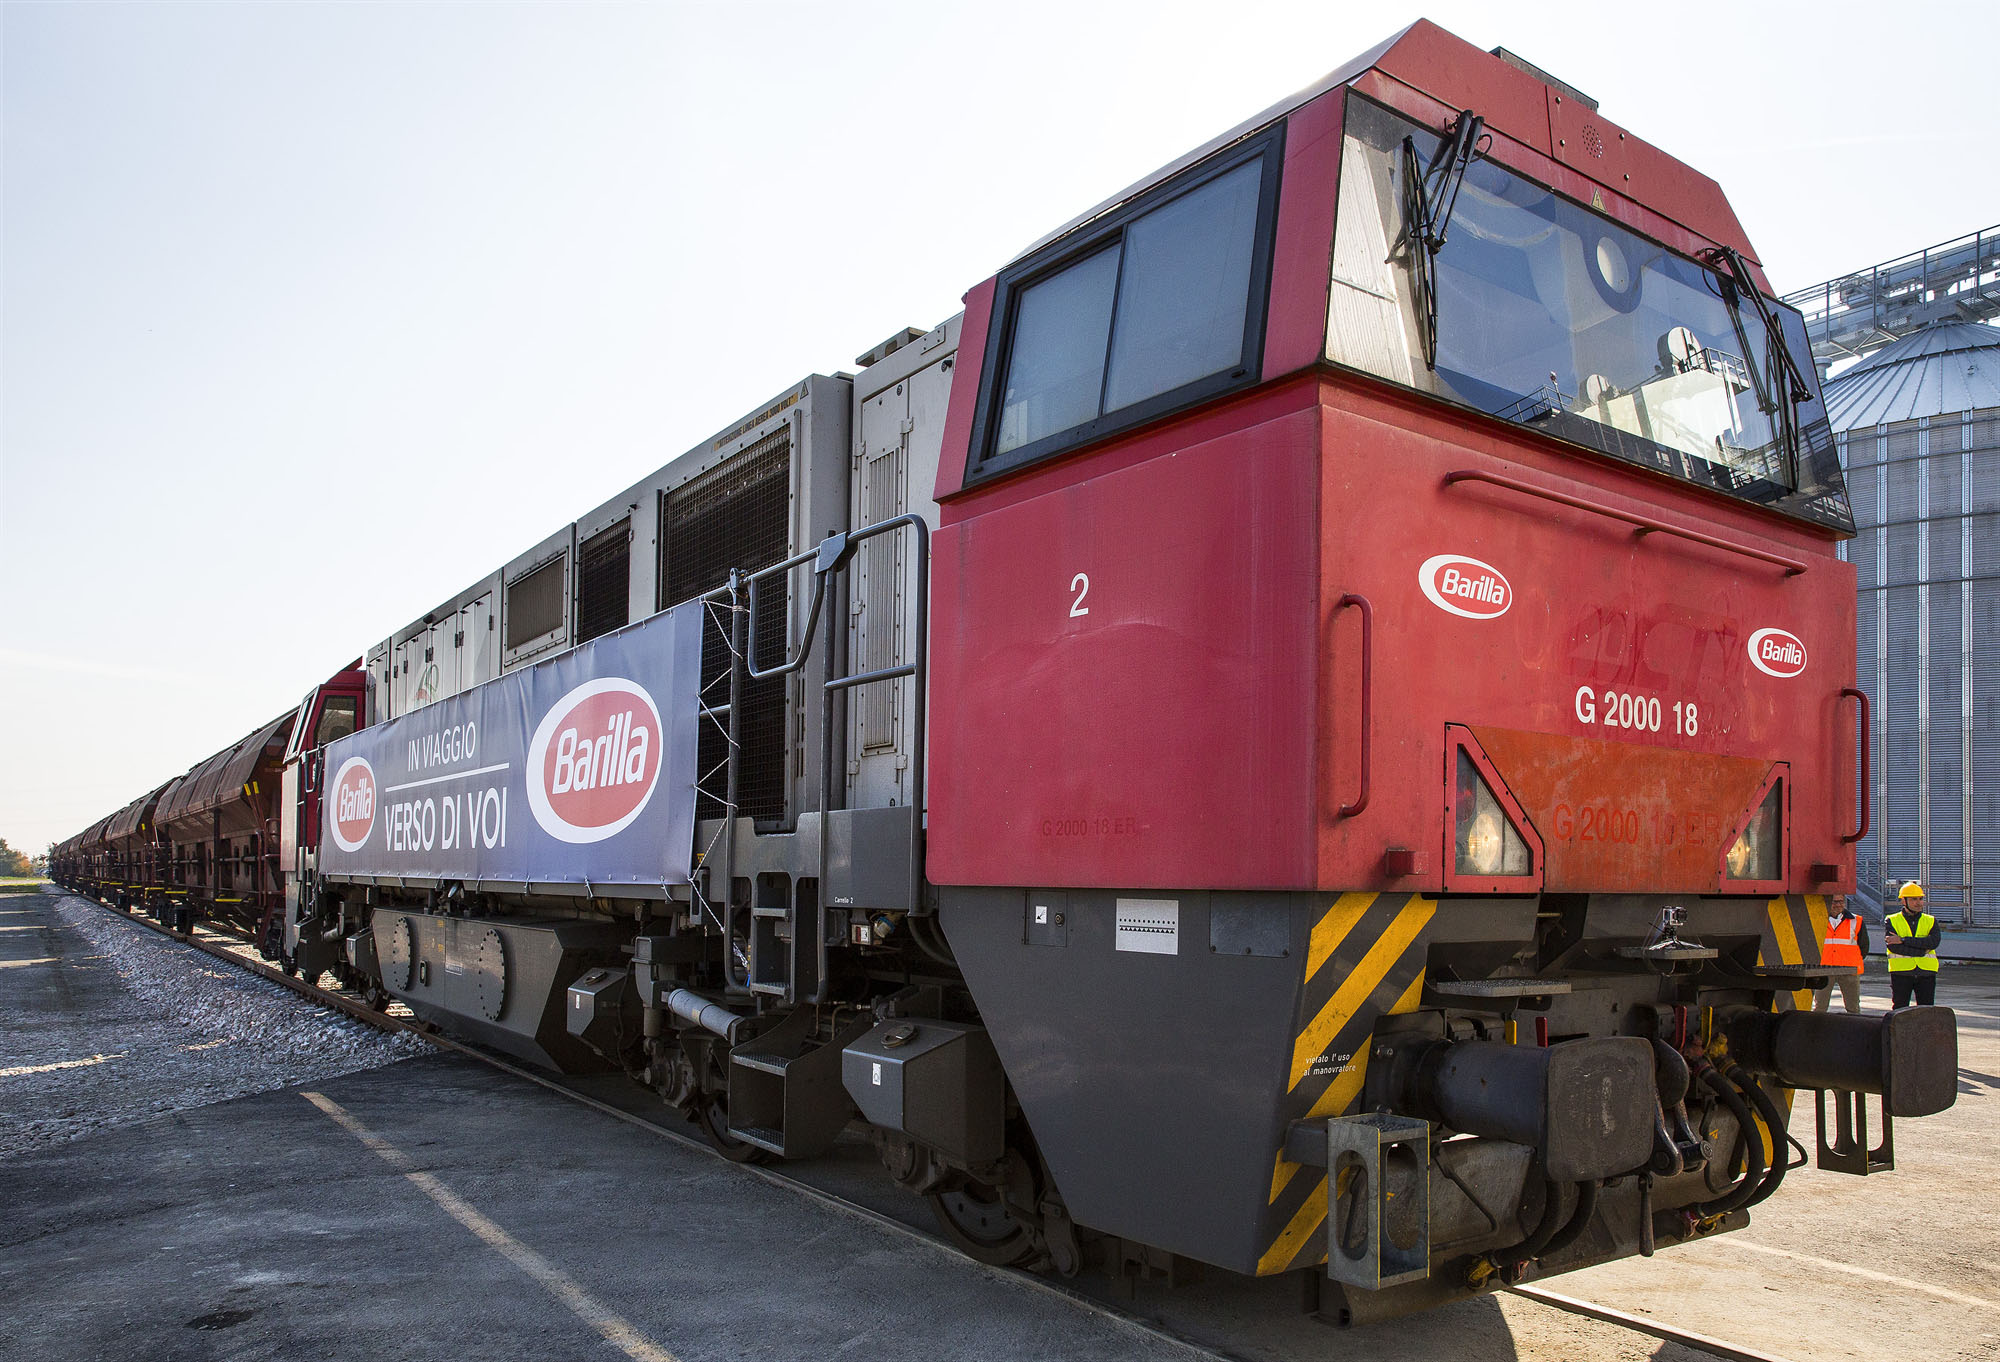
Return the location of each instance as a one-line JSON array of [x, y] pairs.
[[1465, 586], [352, 801], [594, 760], [1777, 653]]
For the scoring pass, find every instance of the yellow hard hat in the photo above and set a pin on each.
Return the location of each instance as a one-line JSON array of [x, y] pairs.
[[1912, 890]]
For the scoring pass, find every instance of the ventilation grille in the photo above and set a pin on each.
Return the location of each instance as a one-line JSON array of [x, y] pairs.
[[604, 582], [736, 516], [535, 603], [881, 617]]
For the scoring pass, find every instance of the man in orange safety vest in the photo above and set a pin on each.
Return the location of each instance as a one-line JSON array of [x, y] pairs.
[[1846, 946]]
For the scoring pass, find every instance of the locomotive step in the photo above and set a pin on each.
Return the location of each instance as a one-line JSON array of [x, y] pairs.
[[1488, 989]]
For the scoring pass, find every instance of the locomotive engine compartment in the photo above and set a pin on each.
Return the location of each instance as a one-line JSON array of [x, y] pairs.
[[1304, 732]]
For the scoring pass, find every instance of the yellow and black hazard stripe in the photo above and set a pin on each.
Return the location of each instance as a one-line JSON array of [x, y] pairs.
[[1365, 960], [1796, 936]]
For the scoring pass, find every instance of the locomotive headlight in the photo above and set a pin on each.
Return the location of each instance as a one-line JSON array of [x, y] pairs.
[[1484, 845], [1756, 854], [1487, 841]]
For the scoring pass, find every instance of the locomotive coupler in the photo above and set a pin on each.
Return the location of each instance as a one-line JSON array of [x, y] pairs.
[[1587, 1107], [1908, 1059]]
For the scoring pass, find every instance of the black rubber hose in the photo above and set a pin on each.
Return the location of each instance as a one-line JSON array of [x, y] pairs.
[[1753, 1148], [1774, 1121], [1538, 1238], [1586, 1206], [1670, 1068]]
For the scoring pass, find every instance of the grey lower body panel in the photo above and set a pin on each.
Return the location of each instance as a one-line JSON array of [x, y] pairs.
[[499, 981], [1164, 1044], [1153, 1078]]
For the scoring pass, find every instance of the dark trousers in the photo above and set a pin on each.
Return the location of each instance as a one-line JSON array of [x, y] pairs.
[[1921, 982]]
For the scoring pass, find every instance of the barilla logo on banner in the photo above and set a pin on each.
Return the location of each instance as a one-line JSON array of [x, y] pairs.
[[1465, 586], [351, 798], [594, 760], [1777, 653]]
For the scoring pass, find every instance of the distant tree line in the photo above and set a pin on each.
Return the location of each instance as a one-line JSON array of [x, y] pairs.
[[13, 862]]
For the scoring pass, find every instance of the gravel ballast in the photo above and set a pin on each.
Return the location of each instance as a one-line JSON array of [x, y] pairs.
[[125, 1025]]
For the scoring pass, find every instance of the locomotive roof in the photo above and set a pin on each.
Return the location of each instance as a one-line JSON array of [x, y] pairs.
[[1502, 90]]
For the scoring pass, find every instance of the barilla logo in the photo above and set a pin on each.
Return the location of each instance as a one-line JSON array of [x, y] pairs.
[[1777, 653], [351, 801], [1465, 586], [594, 760]]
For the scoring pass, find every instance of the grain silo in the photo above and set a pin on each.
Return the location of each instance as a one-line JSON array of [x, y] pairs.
[[1918, 425]]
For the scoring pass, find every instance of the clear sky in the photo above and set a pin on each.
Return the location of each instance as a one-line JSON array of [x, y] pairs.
[[311, 314]]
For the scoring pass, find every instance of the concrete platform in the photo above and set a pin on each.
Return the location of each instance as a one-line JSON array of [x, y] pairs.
[[479, 1220], [436, 1208]]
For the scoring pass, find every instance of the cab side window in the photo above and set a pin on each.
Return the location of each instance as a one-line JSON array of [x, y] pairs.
[[339, 717], [1158, 307]]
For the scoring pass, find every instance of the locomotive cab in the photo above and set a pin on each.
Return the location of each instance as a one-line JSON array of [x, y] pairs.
[[1393, 697], [299, 934]]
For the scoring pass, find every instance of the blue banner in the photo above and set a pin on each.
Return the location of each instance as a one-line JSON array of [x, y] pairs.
[[580, 768]]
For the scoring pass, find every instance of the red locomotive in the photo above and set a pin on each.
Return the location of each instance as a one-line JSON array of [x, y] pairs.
[[1308, 731]]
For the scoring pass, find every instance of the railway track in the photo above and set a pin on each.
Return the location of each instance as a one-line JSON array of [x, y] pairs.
[[231, 950]]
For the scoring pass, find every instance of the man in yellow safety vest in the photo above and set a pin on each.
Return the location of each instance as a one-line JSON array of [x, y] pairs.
[[1913, 943], [1845, 949]]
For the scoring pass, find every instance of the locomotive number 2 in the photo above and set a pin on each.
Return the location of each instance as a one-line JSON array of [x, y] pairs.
[[1080, 584]]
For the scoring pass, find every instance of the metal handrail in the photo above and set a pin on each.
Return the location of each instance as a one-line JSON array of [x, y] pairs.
[[1644, 523], [842, 684], [1866, 799], [830, 557], [1367, 694], [821, 552]]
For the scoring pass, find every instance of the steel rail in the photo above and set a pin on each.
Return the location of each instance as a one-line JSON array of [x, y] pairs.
[[1717, 1347], [1700, 1342]]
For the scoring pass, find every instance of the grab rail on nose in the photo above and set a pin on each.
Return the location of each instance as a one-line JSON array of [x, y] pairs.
[[1864, 801], [1367, 688], [1643, 523]]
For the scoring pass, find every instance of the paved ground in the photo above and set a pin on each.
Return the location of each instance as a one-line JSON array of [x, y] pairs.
[[438, 1209], [112, 1023]]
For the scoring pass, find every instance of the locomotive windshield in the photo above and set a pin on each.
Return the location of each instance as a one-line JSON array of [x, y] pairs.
[[1540, 311]]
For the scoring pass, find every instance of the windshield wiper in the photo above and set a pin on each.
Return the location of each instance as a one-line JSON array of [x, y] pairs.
[[1785, 376], [1430, 193]]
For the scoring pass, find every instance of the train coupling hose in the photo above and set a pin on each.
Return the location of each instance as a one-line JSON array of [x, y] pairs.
[[1909, 1056]]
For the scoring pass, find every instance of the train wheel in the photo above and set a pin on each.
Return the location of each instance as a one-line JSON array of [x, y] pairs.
[[976, 1218], [712, 1114]]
